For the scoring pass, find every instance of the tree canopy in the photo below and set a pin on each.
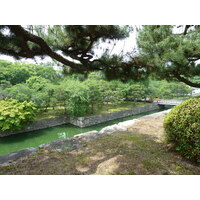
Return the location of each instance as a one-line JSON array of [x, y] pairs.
[[169, 53], [163, 52], [19, 72], [73, 46]]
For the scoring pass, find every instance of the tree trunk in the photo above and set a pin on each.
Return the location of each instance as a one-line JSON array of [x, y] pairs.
[[65, 110], [92, 108], [107, 106]]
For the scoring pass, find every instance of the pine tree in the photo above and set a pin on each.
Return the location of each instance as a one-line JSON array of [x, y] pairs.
[[170, 54]]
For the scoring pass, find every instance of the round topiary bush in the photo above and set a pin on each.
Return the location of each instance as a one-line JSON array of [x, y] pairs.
[[182, 127]]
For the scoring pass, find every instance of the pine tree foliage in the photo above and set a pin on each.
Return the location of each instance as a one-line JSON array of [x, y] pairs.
[[164, 52], [72, 46], [169, 53], [75, 42]]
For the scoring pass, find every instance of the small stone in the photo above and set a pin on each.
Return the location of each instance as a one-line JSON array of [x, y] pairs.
[[128, 123], [107, 129]]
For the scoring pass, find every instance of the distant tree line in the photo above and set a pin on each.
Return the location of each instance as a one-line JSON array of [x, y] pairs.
[[79, 95]]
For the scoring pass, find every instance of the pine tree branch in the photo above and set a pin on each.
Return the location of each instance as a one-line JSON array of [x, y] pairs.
[[186, 29], [186, 81], [193, 59], [20, 31]]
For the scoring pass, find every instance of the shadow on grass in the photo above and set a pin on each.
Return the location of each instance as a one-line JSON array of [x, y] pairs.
[[119, 153]]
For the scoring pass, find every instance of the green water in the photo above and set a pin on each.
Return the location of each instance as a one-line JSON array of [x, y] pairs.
[[35, 138]]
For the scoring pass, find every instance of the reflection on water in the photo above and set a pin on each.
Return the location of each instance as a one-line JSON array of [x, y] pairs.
[[62, 135], [36, 138]]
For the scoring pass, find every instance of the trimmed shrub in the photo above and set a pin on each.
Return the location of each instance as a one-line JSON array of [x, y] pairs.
[[182, 126], [14, 114]]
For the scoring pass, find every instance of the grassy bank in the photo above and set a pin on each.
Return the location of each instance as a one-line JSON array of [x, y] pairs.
[[101, 109]]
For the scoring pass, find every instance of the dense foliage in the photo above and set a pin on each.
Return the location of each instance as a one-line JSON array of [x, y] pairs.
[[170, 52], [14, 114], [167, 90], [79, 94], [19, 72], [182, 126]]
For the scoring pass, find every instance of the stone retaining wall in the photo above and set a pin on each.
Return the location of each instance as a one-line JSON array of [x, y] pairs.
[[81, 121], [37, 125], [97, 119]]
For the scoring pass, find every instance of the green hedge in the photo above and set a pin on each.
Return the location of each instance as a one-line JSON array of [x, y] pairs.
[[182, 126], [14, 114]]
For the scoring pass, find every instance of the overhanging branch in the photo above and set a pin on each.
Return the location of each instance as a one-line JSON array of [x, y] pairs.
[[186, 81], [19, 30]]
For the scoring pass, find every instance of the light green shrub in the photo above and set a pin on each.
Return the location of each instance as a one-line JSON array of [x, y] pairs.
[[14, 114], [182, 126]]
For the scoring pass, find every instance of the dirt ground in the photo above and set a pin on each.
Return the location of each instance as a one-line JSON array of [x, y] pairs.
[[152, 127]]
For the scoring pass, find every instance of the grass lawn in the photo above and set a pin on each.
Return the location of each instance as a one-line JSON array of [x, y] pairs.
[[137, 152], [101, 109], [60, 111], [50, 113]]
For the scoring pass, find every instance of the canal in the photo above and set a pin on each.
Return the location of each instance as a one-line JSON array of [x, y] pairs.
[[35, 138]]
